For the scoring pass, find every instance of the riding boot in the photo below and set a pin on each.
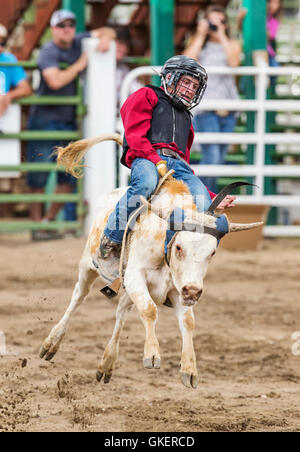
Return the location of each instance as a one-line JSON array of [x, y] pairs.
[[107, 259]]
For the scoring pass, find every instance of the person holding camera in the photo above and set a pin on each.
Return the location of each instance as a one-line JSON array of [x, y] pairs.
[[212, 46]]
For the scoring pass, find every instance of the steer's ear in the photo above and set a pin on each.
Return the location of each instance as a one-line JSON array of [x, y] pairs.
[[235, 227], [151, 208]]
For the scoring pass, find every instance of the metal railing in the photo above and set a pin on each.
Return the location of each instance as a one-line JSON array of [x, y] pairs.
[[25, 135], [259, 170]]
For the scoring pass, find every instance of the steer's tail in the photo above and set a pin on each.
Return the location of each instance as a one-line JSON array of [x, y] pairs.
[[72, 155]]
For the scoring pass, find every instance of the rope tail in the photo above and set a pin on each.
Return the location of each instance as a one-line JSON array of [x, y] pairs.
[[71, 156]]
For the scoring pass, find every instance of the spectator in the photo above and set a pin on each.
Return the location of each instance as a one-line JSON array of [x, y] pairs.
[[212, 46], [64, 48], [13, 80], [123, 47], [13, 85]]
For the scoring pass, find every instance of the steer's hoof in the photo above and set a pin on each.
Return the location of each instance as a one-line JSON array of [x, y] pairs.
[[190, 381], [43, 352], [152, 363], [107, 377], [99, 375], [46, 353]]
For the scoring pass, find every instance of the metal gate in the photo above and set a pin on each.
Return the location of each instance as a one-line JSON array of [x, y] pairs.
[[15, 225]]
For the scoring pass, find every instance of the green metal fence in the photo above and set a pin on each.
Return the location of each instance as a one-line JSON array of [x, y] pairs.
[[24, 135]]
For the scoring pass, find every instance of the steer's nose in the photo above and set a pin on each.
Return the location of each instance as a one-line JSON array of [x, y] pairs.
[[191, 294]]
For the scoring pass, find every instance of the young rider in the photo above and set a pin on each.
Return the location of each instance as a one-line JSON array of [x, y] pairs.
[[158, 137]]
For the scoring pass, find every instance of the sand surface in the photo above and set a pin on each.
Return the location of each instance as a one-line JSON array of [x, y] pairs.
[[249, 377]]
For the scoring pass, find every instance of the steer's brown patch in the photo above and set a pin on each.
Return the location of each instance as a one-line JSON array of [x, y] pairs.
[[95, 235], [159, 236], [150, 312], [176, 187], [194, 207], [188, 321]]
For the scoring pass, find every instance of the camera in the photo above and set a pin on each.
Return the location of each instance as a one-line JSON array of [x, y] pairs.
[[212, 27]]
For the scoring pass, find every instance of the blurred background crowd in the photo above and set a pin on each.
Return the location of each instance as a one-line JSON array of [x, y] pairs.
[[48, 35]]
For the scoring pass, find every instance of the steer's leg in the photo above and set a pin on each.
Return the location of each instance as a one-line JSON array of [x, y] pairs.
[[186, 320], [110, 355], [137, 289], [51, 344]]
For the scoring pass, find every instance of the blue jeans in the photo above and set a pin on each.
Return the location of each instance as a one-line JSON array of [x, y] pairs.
[[144, 180], [213, 154], [41, 151]]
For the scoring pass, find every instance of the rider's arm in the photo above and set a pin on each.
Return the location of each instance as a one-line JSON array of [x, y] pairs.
[[211, 193], [189, 143], [136, 115]]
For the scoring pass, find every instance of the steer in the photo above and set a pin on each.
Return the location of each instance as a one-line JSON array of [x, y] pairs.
[[164, 265]]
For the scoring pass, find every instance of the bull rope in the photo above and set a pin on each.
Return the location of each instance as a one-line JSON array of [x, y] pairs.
[[126, 241]]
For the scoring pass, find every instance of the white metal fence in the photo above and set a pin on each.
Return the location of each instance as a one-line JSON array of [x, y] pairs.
[[259, 137]]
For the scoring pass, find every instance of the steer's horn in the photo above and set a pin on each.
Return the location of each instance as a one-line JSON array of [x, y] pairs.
[[235, 227], [223, 193]]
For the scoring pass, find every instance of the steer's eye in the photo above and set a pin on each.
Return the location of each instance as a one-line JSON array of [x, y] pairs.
[[178, 251], [211, 255]]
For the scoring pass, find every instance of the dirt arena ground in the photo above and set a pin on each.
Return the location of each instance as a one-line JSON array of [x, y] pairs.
[[249, 377]]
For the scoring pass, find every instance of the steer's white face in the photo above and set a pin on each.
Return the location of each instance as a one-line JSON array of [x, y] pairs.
[[189, 258]]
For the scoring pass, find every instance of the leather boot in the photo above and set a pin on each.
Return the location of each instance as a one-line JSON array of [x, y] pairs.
[[107, 259]]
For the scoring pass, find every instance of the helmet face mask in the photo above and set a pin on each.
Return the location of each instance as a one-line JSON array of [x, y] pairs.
[[171, 75]]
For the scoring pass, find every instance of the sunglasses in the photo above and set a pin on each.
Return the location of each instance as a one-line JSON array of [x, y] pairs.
[[70, 25], [3, 43]]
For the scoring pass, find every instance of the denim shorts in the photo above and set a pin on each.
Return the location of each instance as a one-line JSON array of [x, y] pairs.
[[41, 151]]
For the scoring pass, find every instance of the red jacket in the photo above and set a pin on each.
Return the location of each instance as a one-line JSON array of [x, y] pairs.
[[136, 115]]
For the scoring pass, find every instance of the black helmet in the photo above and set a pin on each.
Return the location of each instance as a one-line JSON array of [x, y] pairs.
[[178, 66]]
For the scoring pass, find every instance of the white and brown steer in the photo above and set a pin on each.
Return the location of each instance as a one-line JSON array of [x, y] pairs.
[[149, 281]]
